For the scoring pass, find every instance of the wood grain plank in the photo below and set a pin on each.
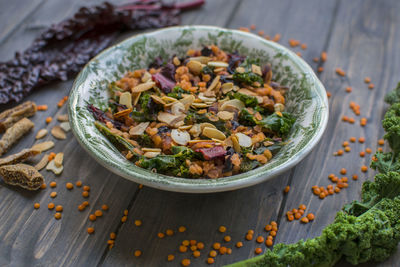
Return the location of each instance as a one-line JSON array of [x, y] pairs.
[[239, 211], [363, 45]]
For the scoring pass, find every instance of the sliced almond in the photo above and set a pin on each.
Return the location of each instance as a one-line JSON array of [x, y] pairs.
[[200, 105], [180, 137], [213, 133], [62, 117], [225, 115], [143, 87], [235, 143], [176, 61], [214, 83], [169, 118], [51, 166], [200, 141], [158, 99], [218, 64], [194, 67], [256, 69], [146, 76], [185, 127], [240, 70], [278, 107], [139, 129], [177, 108], [227, 87], [65, 126], [151, 154], [187, 101], [42, 163], [232, 104], [58, 132], [207, 99], [247, 92], [151, 149], [201, 59], [244, 140], [135, 98], [260, 99], [58, 159], [168, 101], [126, 99], [206, 124], [195, 131], [122, 113], [43, 146], [41, 133]]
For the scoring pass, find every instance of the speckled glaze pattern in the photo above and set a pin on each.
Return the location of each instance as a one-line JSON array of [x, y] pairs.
[[306, 100]]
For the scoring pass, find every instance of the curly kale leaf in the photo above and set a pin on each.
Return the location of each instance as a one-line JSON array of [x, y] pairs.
[[386, 162], [249, 101], [391, 124], [280, 125], [394, 96], [177, 92], [245, 118], [248, 77]]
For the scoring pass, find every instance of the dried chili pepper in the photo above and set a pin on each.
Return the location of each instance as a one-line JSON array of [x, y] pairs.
[[60, 51]]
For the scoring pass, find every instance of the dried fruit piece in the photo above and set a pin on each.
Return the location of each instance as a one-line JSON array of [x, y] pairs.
[[42, 163], [180, 137], [58, 159], [51, 166], [62, 118], [58, 132], [19, 157], [10, 116], [41, 133], [14, 133], [43, 146], [22, 175]]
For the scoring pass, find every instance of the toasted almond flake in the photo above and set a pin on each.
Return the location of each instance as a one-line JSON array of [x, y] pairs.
[[180, 137], [135, 98], [58, 132], [177, 108], [195, 130], [260, 99], [194, 67], [244, 140], [218, 64], [218, 142], [151, 154], [235, 143], [187, 101], [185, 127], [169, 118], [207, 99], [51, 166], [256, 69], [247, 92], [42, 163], [214, 83], [126, 99], [43, 146], [200, 141], [176, 61], [278, 107], [41, 133], [65, 126], [200, 105], [146, 76], [143, 87], [62, 117], [232, 104], [227, 87], [58, 159], [201, 59], [206, 124], [158, 99], [240, 70], [225, 115], [151, 149], [122, 113], [179, 123], [168, 99], [139, 129], [217, 70], [213, 133]]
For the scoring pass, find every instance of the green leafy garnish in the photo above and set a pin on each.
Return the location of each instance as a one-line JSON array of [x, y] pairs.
[[177, 92], [249, 101]]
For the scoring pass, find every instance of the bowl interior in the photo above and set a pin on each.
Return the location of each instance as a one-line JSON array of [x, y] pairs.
[[306, 100]]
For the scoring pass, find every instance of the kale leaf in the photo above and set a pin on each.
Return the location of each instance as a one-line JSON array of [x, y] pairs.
[[249, 101], [278, 124]]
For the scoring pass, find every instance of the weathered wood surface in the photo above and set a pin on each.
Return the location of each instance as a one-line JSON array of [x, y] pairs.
[[360, 36]]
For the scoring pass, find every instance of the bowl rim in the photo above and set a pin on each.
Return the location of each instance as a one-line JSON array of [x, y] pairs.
[[177, 184]]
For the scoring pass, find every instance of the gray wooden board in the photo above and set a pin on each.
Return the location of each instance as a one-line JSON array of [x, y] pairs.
[[34, 237]]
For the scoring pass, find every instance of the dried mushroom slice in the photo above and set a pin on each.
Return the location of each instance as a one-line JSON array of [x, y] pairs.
[[14, 133], [19, 157], [201, 59], [225, 115], [214, 83], [10, 116], [22, 175]]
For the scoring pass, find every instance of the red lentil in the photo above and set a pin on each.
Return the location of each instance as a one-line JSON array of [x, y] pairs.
[[137, 253], [36, 205], [258, 250]]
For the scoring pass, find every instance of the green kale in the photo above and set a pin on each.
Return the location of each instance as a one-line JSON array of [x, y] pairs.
[[249, 101], [177, 92], [145, 140], [248, 164], [280, 125], [148, 109], [245, 118], [386, 162], [193, 117], [248, 77], [208, 70], [391, 124], [394, 96]]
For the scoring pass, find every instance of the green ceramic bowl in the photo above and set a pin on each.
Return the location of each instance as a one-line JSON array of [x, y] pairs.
[[306, 99]]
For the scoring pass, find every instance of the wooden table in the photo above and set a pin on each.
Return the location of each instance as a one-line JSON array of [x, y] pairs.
[[360, 36]]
